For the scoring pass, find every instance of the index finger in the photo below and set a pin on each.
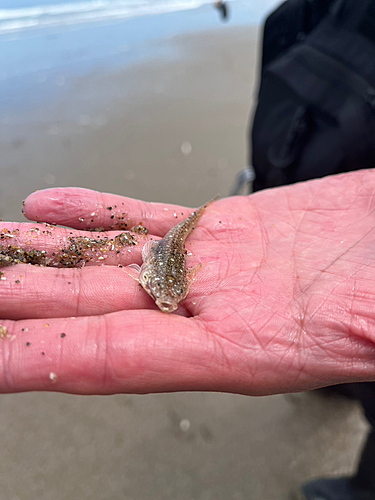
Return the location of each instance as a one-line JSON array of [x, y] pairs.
[[81, 208]]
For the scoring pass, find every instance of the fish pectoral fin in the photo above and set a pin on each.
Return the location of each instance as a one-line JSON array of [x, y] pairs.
[[133, 271], [147, 248], [192, 272], [135, 267], [190, 275]]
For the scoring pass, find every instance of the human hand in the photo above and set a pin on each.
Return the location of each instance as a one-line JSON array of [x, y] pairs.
[[284, 300]]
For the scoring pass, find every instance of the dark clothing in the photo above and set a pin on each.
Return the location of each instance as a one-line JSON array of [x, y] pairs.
[[316, 105], [365, 392], [222, 7], [288, 24], [365, 476], [224, 11]]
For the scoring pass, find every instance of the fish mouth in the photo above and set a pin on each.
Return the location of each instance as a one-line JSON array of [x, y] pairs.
[[166, 305]]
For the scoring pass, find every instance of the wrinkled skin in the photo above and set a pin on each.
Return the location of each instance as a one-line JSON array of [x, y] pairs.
[[284, 301]]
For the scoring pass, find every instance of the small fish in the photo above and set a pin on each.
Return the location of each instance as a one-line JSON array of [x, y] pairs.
[[163, 273]]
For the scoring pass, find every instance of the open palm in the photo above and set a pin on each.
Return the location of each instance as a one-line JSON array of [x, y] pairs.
[[283, 301]]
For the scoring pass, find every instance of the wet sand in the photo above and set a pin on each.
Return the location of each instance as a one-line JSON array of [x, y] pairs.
[[169, 130]]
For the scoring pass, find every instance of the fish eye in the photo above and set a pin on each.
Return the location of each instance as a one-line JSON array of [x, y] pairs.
[[155, 282], [145, 276], [155, 285], [179, 290]]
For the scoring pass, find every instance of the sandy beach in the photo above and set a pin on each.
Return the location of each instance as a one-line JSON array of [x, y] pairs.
[[171, 129], [163, 120]]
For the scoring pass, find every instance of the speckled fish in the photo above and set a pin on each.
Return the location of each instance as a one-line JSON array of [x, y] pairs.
[[163, 273]]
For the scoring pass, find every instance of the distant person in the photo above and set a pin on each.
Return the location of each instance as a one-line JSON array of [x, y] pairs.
[[315, 117], [222, 7]]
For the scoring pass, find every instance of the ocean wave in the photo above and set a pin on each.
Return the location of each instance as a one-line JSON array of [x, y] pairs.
[[67, 14]]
